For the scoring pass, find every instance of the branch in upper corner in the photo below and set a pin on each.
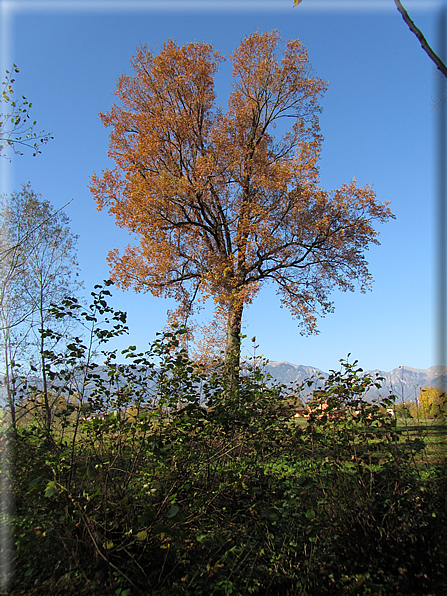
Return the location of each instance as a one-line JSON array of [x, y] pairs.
[[431, 54], [425, 46]]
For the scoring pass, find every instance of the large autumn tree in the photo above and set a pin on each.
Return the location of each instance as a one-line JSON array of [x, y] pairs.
[[219, 202]]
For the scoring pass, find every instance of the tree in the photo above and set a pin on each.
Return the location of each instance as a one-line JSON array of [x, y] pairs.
[[432, 403], [38, 268], [424, 43], [11, 311], [220, 204], [15, 129]]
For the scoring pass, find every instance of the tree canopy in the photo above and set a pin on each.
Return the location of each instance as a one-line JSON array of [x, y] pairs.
[[432, 403], [221, 204]]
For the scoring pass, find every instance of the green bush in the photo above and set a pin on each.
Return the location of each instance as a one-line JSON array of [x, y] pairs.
[[164, 482], [403, 410]]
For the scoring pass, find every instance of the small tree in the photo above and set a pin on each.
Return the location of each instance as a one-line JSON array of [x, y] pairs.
[[432, 403], [38, 267], [403, 410], [219, 203], [16, 127]]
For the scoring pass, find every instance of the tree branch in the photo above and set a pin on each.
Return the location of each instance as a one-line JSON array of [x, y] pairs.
[[431, 54]]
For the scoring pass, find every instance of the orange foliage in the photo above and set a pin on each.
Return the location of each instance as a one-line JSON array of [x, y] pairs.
[[221, 204]]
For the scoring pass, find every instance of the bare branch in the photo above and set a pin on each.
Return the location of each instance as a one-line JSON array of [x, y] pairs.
[[425, 46]]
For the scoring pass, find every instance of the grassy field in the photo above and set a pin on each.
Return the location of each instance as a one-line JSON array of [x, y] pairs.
[[432, 434]]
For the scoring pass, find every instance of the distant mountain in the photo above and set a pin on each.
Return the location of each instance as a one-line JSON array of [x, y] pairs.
[[404, 382], [284, 372]]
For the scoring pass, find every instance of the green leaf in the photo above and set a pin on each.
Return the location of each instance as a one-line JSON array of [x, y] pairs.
[[81, 472], [71, 526], [310, 514], [91, 471], [36, 485], [173, 511], [271, 513], [108, 545], [305, 482], [51, 490], [142, 535], [159, 529]]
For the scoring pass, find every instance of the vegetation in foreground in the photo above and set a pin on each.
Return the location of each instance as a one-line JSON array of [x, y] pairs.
[[158, 480]]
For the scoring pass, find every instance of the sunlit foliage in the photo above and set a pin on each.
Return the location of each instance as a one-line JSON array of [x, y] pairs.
[[221, 204]]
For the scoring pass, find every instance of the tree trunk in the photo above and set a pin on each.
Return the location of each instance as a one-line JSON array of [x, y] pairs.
[[44, 372], [10, 386], [46, 399], [233, 347]]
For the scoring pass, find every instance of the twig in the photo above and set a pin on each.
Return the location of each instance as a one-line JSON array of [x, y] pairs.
[[98, 550]]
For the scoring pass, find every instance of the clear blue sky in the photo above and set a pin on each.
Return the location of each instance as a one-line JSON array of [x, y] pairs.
[[379, 124]]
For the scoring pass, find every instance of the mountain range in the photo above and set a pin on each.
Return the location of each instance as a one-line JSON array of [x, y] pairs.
[[404, 382]]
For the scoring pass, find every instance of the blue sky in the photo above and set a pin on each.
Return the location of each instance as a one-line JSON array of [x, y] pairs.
[[379, 123]]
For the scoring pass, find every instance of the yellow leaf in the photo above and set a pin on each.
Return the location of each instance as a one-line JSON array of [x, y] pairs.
[[296, 2], [142, 535]]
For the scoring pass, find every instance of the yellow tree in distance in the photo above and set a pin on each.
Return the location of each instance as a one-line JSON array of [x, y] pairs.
[[219, 202], [432, 403]]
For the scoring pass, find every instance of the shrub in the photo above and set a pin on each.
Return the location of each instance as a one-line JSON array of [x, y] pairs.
[[174, 485], [403, 410]]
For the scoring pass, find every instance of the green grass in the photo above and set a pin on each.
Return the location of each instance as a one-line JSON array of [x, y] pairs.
[[433, 435]]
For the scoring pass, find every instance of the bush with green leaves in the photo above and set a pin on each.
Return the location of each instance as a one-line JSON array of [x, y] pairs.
[[381, 519], [162, 481]]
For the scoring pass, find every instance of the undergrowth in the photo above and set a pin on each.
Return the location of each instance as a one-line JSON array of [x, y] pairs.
[[156, 480]]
